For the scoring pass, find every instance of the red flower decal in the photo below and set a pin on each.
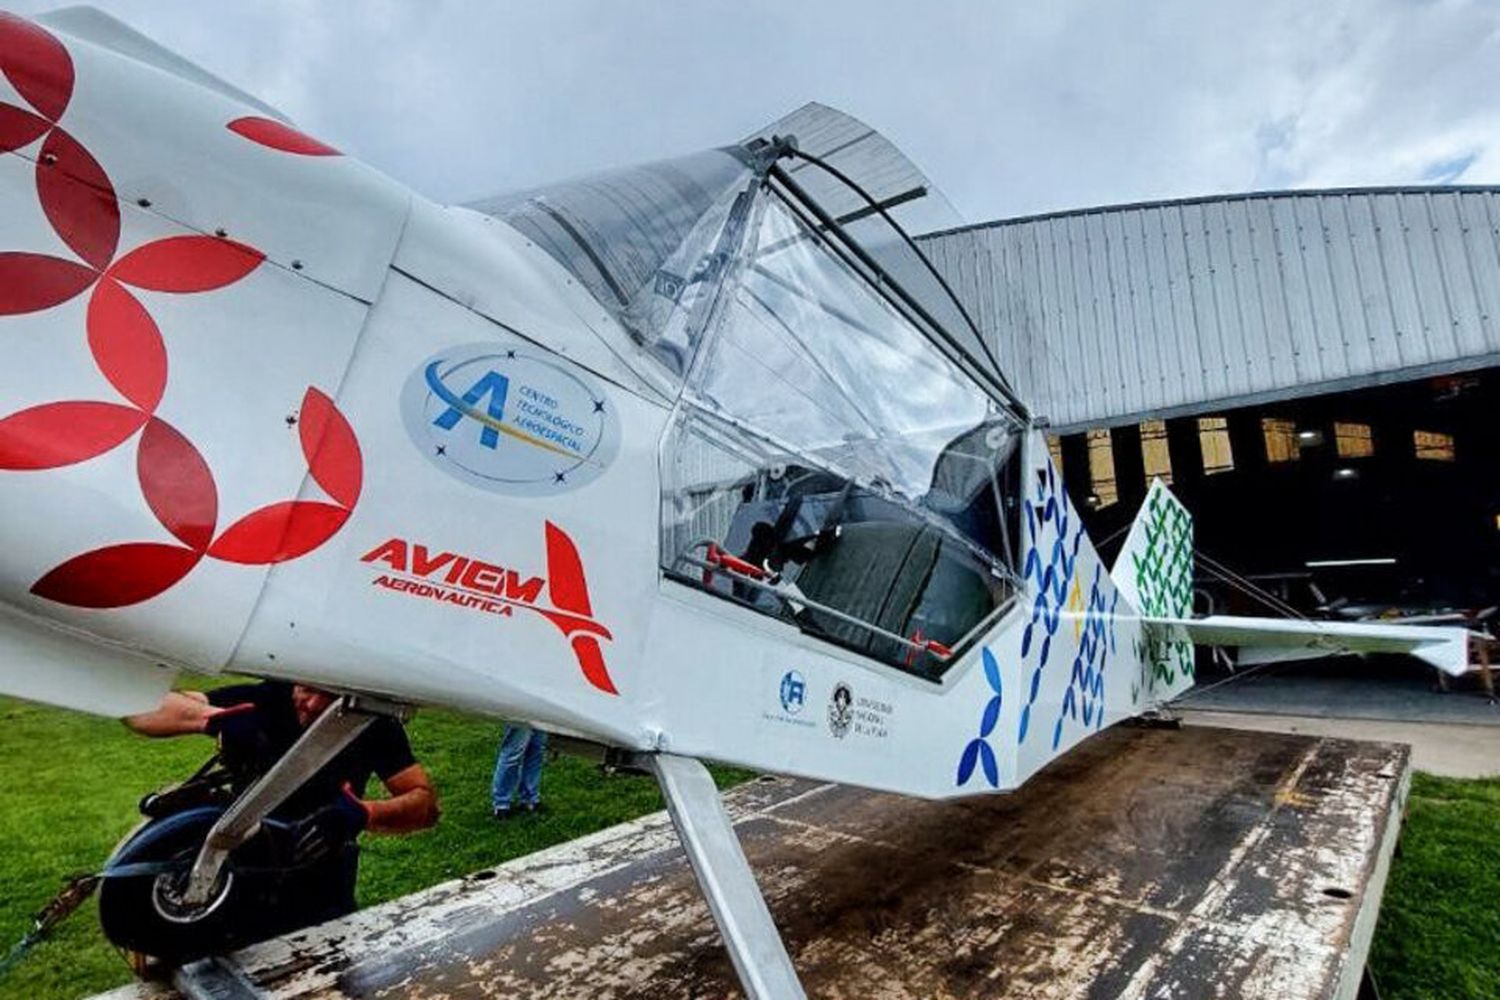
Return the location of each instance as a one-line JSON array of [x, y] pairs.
[[177, 484], [187, 264], [33, 281], [279, 532], [36, 64], [117, 575], [19, 128], [81, 205], [78, 198], [331, 449], [276, 135], [57, 434], [127, 346]]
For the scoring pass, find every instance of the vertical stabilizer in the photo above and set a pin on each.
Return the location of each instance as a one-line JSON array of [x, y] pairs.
[[1154, 573]]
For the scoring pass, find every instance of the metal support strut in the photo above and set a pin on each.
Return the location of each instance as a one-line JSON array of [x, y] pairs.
[[331, 732], [754, 944]]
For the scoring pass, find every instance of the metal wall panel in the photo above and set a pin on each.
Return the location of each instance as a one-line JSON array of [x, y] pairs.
[[1107, 316]]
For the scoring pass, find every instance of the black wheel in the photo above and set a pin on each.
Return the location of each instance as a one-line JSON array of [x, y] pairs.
[[146, 913]]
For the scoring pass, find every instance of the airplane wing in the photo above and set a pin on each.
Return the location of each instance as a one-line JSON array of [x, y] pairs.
[[1266, 640]]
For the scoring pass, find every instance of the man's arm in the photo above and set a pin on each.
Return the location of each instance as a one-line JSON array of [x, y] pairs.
[[413, 804], [180, 713]]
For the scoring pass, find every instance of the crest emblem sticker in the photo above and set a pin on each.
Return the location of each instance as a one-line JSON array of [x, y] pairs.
[[841, 710]]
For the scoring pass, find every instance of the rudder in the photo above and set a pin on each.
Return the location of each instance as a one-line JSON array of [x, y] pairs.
[[1154, 573]]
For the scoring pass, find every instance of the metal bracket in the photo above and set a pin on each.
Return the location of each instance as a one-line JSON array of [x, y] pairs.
[[330, 733], [750, 936], [214, 979]]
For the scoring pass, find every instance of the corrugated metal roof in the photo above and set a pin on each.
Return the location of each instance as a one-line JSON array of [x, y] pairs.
[[1108, 315]]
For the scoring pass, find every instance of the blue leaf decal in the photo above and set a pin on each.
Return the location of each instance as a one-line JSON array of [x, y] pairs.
[[992, 671], [991, 768], [968, 760], [1025, 723], [991, 716]]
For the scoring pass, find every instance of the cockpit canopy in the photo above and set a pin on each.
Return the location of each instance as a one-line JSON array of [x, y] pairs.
[[844, 454], [647, 241]]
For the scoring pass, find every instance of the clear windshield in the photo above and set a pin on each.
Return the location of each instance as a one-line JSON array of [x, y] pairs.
[[831, 466]]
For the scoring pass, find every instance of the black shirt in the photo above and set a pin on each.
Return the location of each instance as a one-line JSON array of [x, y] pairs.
[[255, 742]]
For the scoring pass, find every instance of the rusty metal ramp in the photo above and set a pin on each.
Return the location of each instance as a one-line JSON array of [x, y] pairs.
[[1147, 863]]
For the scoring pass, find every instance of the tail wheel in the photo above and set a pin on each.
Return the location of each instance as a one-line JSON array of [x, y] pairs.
[[146, 913]]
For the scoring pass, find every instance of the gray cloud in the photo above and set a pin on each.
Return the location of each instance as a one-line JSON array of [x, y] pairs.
[[1011, 108]]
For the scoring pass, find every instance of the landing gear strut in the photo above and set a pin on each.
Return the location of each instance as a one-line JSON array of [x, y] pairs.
[[334, 730], [750, 936]]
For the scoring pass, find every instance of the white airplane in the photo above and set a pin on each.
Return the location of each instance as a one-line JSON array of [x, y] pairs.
[[669, 460]]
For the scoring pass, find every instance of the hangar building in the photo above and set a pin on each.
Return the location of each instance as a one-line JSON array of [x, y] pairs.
[[1313, 371]]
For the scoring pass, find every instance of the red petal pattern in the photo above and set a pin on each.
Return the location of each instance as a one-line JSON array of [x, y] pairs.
[[279, 532], [36, 64], [331, 448], [117, 575], [56, 434], [177, 484], [19, 128], [78, 198], [33, 281], [187, 264], [274, 134], [81, 204], [127, 345]]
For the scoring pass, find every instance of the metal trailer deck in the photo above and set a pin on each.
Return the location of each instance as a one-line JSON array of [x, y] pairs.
[[1149, 862]]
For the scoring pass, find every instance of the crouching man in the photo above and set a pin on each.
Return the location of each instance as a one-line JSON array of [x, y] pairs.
[[255, 724]]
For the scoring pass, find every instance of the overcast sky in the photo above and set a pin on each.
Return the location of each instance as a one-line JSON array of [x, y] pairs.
[[1011, 108]]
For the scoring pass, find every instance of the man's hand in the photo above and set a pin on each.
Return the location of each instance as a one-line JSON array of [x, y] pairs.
[[180, 713], [329, 828]]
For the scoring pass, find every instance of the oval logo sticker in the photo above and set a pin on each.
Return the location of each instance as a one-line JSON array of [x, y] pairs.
[[510, 419]]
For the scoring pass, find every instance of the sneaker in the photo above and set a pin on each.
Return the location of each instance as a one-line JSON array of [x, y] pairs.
[[535, 808], [500, 815]]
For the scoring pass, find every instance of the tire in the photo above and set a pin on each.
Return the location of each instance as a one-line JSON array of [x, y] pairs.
[[144, 914]]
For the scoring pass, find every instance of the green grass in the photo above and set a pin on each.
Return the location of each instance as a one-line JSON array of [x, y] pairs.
[[1440, 922], [69, 784]]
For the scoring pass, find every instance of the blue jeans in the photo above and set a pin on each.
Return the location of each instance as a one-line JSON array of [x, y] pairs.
[[519, 764]]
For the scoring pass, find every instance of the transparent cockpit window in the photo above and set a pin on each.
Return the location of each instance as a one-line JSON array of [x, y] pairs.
[[906, 264], [649, 242], [887, 178], [831, 467]]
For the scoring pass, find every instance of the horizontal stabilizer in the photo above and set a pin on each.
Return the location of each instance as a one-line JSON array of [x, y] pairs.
[[1269, 639]]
